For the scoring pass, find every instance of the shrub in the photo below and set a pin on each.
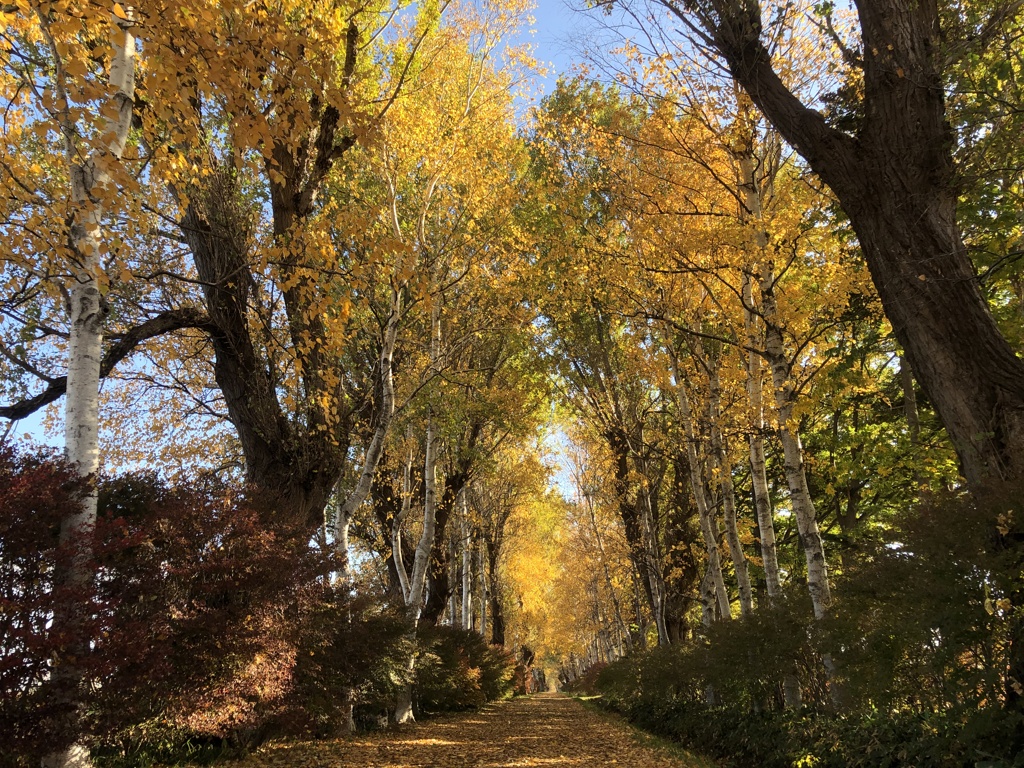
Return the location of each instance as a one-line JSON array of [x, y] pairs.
[[347, 649], [922, 636], [208, 601], [457, 670], [36, 493], [191, 626]]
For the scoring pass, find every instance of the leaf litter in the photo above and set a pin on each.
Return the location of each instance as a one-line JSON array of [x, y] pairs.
[[541, 731]]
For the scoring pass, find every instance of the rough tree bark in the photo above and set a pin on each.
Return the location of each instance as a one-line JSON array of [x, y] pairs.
[[439, 587], [634, 527]]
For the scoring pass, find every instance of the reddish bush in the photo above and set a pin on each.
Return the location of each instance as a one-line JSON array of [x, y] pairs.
[[209, 602], [36, 493], [192, 624]]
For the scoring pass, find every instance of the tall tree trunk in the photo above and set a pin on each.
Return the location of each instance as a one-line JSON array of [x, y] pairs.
[[752, 212], [751, 193], [759, 476], [793, 452], [440, 588], [341, 545], [389, 505], [455, 580], [910, 401], [295, 464], [722, 466], [375, 448], [467, 567], [651, 547], [418, 578], [715, 580], [589, 501], [482, 578], [90, 173], [637, 529], [497, 612]]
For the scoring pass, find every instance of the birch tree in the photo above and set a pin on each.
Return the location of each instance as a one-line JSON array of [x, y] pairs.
[[85, 99]]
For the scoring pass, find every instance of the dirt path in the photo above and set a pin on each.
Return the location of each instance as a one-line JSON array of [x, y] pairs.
[[545, 730]]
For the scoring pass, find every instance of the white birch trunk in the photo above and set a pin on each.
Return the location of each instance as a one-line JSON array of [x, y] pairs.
[[758, 470], [371, 460], [453, 609], [341, 541], [91, 185], [418, 579], [482, 554], [467, 567], [421, 561], [707, 527], [374, 450], [752, 212], [793, 454], [396, 528], [723, 468]]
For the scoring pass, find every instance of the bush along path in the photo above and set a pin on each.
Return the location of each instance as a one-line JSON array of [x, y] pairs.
[[547, 730]]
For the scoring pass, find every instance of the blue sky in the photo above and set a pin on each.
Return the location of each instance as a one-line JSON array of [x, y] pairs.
[[556, 23]]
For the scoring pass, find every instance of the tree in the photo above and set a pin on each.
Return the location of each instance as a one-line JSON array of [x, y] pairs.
[[894, 176], [89, 101]]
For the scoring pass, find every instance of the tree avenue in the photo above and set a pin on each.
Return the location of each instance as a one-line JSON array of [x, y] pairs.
[[388, 389]]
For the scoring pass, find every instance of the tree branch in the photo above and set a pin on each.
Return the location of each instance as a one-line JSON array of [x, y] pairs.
[[165, 322]]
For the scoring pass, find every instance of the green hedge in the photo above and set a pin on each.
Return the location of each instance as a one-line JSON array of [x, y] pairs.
[[920, 638]]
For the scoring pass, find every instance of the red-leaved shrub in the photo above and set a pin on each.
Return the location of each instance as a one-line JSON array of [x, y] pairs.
[[192, 624]]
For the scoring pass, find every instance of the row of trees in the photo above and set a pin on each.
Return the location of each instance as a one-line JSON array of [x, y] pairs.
[[284, 235], [309, 243], [760, 387]]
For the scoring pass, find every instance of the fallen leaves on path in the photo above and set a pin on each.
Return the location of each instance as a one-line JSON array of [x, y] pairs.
[[547, 731]]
